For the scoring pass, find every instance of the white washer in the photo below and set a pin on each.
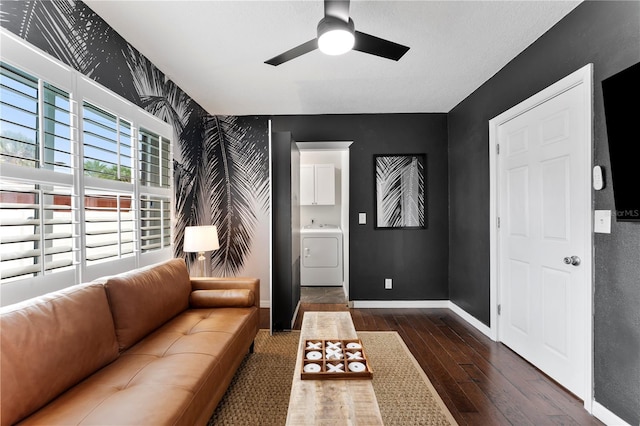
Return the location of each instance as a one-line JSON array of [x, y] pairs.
[[321, 252]]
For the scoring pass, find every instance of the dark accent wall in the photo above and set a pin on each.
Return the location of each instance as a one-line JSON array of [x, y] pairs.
[[606, 34], [415, 259], [285, 286]]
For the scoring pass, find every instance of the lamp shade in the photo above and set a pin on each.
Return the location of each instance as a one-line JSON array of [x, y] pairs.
[[200, 238]]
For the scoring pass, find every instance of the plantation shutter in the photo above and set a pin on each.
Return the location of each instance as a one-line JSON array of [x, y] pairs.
[[107, 144], [109, 225], [155, 175], [78, 185], [18, 117], [57, 150], [37, 229], [37, 217], [155, 225], [31, 111], [154, 160]]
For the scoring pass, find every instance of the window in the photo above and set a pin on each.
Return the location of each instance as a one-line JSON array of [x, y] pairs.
[[18, 118], [107, 144], [155, 175], [37, 232], [109, 213], [36, 216], [154, 160], [56, 119], [77, 193], [33, 111], [109, 225], [155, 222]]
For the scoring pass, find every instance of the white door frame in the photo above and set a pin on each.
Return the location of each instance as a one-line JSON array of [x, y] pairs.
[[582, 77], [344, 149]]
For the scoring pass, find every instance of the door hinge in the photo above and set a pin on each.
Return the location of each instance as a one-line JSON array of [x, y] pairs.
[[498, 149], [498, 222], [499, 309]]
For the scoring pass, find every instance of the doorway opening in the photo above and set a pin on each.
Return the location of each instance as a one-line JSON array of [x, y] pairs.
[[324, 222]]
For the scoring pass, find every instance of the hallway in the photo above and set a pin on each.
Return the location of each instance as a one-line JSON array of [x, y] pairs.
[[330, 295]]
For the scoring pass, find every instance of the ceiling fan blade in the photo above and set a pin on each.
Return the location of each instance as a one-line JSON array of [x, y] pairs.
[[293, 53], [337, 8], [377, 46]]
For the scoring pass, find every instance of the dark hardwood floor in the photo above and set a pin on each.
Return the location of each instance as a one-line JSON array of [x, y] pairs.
[[481, 382]]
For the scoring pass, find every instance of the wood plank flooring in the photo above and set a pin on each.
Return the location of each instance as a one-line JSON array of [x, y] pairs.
[[481, 382]]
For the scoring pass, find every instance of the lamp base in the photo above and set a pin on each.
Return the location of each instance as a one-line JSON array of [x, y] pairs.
[[201, 264]]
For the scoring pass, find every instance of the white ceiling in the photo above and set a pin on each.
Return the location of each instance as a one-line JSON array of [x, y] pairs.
[[215, 51]]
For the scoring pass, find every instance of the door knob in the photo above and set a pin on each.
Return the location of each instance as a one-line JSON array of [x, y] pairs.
[[573, 260]]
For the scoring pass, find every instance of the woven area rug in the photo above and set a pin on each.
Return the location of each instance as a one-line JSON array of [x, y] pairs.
[[259, 393]]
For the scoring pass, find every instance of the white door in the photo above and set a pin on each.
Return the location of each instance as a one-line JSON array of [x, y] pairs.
[[544, 212]]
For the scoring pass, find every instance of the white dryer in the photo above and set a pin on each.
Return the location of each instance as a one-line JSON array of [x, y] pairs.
[[321, 252]]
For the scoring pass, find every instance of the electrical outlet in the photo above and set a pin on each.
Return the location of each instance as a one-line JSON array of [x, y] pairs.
[[388, 283]]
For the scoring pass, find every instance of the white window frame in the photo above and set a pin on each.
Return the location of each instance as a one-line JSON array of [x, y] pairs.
[[25, 57]]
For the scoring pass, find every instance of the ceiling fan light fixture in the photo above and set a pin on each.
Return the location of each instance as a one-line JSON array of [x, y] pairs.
[[335, 37]]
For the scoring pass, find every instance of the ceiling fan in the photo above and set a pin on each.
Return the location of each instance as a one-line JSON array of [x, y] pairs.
[[337, 35]]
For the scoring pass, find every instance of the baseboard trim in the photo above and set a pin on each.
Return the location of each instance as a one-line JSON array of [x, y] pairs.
[[470, 319], [265, 303], [408, 304], [607, 417], [375, 304]]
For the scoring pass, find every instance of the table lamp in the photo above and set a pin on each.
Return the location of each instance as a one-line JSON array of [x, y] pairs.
[[198, 239]]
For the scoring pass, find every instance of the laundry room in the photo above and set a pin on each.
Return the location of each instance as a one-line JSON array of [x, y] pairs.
[[324, 208]]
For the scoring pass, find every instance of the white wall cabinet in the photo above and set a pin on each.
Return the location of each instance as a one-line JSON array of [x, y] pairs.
[[317, 185]]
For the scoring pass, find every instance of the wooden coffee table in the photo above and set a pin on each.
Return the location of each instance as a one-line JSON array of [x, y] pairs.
[[334, 402]]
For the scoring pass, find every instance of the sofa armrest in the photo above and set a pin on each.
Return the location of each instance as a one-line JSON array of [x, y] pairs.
[[227, 283]]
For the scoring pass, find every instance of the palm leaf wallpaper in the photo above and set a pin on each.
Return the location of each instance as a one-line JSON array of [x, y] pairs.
[[220, 162], [400, 191]]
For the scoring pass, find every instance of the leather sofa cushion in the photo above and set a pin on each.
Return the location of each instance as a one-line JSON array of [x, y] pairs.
[[226, 283], [144, 299], [171, 377], [239, 298], [50, 344]]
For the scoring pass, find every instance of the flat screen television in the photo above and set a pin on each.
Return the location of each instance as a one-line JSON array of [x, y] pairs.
[[622, 113]]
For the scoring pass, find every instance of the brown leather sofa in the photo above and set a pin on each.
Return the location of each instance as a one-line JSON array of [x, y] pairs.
[[149, 347]]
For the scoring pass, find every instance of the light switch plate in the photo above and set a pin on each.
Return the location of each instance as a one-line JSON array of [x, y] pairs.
[[362, 218], [602, 221]]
